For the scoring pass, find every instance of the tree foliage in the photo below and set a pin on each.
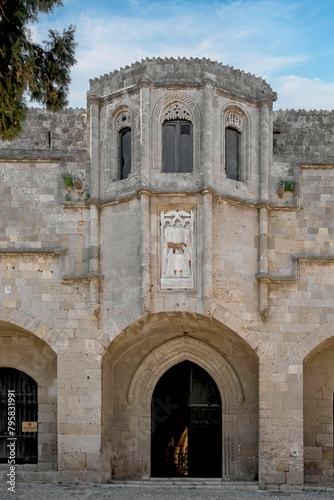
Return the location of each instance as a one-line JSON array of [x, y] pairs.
[[27, 69]]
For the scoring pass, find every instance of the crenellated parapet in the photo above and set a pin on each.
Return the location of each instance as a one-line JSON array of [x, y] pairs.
[[181, 73]]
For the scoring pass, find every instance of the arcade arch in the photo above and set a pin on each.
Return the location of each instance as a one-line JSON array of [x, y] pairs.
[[22, 352], [134, 363]]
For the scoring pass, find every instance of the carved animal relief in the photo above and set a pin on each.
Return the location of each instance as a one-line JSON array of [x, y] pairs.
[[177, 249]]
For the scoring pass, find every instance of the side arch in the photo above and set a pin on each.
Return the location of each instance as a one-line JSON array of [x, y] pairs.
[[318, 416], [11, 319], [314, 342], [29, 353]]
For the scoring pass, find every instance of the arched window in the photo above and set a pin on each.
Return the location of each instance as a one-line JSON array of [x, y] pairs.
[[234, 141], [124, 153], [177, 146], [232, 153]]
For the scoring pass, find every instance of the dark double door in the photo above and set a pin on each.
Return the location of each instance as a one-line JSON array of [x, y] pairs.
[[18, 404], [186, 424]]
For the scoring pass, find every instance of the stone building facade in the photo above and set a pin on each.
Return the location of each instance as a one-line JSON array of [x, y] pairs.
[[167, 281]]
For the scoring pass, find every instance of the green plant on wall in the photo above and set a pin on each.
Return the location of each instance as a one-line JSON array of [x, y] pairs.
[[289, 185], [68, 180], [67, 197]]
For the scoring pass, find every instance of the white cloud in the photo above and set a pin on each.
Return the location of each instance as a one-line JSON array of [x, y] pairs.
[[256, 36], [295, 92]]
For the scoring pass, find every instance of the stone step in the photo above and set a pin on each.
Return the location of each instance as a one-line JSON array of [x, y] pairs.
[[188, 483]]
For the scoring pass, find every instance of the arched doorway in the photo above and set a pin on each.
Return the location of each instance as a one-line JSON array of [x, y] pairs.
[[18, 410], [186, 424]]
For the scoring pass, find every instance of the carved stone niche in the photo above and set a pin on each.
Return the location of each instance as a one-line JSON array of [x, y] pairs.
[[177, 249]]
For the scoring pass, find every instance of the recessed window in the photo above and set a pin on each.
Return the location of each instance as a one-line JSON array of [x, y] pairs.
[[124, 153], [232, 153], [177, 146]]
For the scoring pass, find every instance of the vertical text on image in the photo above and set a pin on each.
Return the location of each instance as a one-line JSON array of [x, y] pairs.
[[11, 440]]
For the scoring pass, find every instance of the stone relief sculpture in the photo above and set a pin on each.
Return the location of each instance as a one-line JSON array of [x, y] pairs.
[[177, 248]]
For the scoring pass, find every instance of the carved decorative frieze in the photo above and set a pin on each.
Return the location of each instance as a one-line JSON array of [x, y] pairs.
[[177, 249]]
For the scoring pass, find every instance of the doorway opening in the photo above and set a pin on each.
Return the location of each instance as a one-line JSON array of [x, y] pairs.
[[18, 410], [186, 424]]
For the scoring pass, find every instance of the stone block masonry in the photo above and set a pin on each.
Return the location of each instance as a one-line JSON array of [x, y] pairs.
[[110, 285]]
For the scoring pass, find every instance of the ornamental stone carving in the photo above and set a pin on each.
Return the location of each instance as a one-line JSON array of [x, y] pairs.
[[234, 120], [123, 120], [176, 111], [177, 249]]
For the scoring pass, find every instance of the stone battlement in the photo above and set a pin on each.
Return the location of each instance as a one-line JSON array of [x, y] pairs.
[[45, 130]]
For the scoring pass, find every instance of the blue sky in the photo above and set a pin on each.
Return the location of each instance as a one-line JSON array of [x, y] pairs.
[[288, 43]]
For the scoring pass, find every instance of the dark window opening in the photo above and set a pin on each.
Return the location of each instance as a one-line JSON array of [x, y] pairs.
[[124, 153], [18, 407], [186, 424], [177, 146], [232, 154]]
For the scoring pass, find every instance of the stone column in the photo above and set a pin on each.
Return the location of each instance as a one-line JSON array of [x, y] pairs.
[[264, 208], [94, 236], [265, 136], [281, 463], [94, 146], [145, 136], [207, 135], [145, 249], [79, 407], [207, 250]]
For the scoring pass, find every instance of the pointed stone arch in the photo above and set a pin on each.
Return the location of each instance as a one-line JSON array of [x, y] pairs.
[[181, 349], [156, 363]]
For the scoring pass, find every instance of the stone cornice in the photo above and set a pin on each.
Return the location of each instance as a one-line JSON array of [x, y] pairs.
[[190, 86], [296, 260], [83, 277], [152, 192], [27, 250]]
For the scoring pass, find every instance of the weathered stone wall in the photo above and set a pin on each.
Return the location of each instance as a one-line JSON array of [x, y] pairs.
[[81, 270], [44, 130], [300, 138], [306, 231]]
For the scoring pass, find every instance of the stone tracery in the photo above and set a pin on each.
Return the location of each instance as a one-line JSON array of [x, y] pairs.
[[234, 120]]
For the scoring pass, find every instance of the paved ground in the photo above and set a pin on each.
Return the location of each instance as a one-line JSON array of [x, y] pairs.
[[38, 491]]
